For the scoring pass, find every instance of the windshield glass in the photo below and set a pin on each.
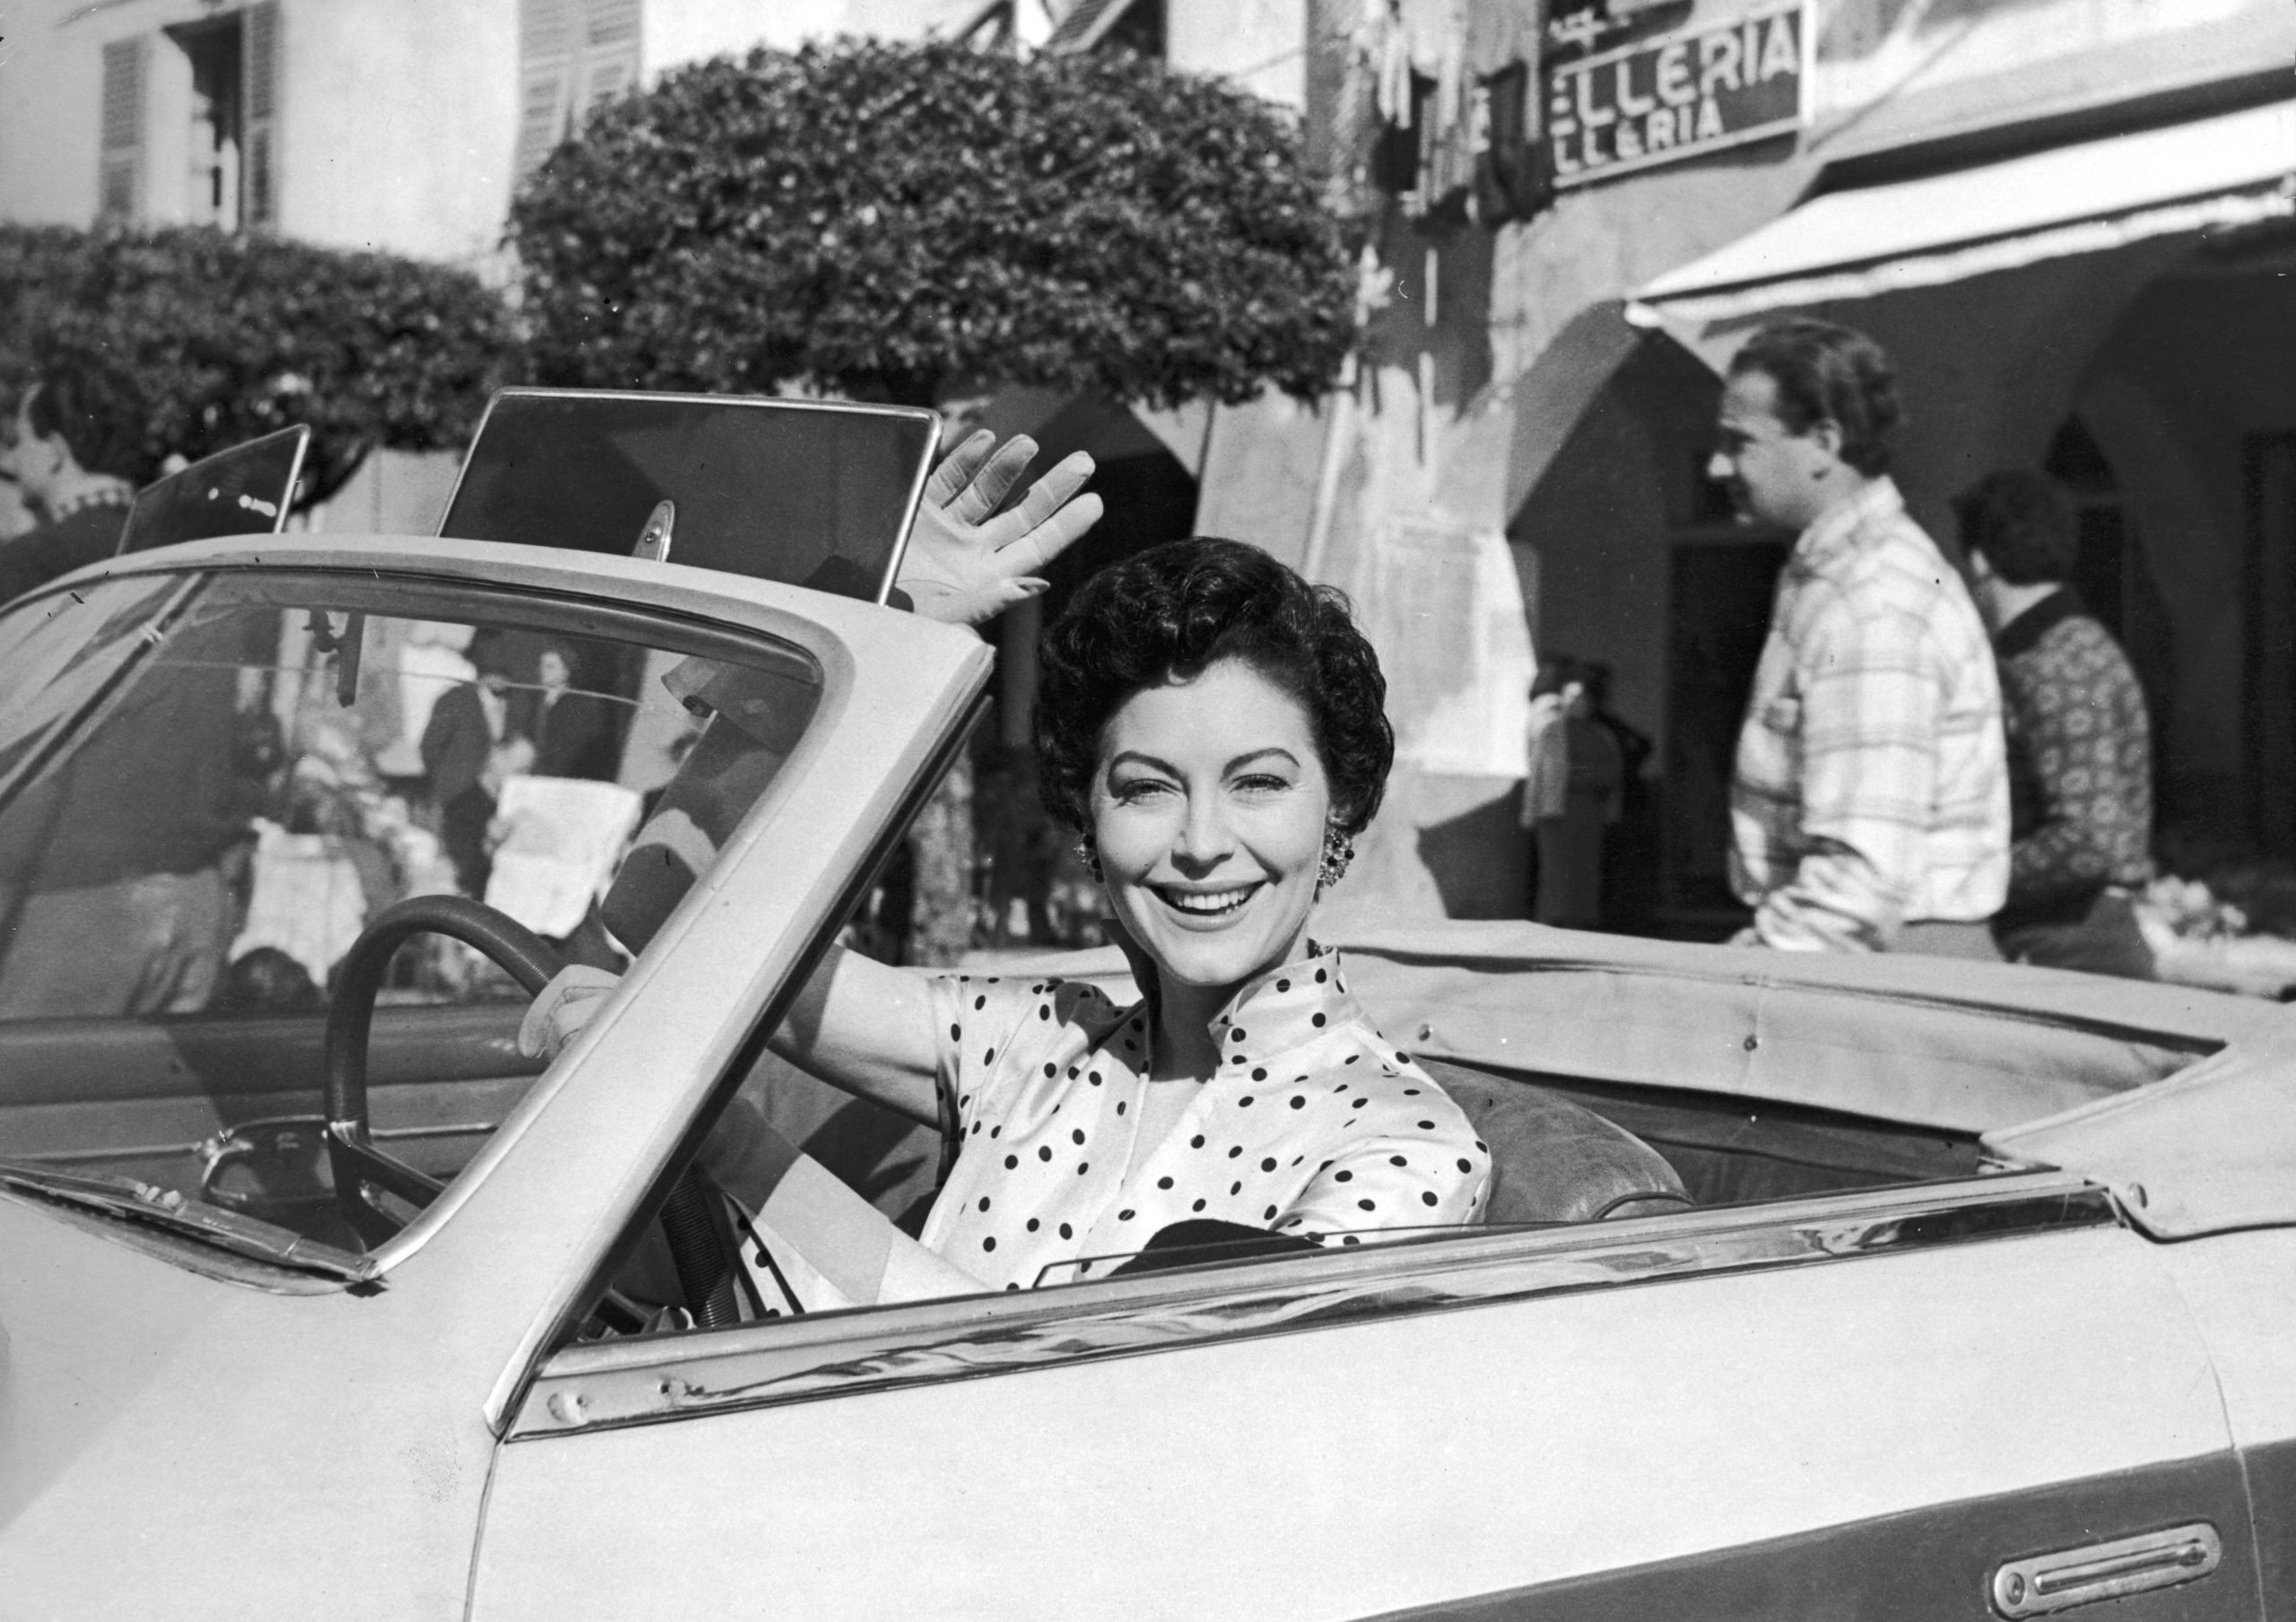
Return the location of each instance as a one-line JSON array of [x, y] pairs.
[[211, 784]]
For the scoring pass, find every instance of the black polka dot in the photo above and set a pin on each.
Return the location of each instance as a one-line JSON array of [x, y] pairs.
[[1196, 1142], [1359, 1103], [956, 1033], [1321, 976], [1316, 1019], [984, 1203], [1235, 1188], [1411, 1092], [1349, 1239], [1066, 1232], [1095, 1078], [1397, 1160], [975, 1129], [1032, 1225], [1427, 1126], [1268, 1164], [1235, 1151], [1236, 1034], [1368, 1204], [1352, 1058], [1343, 1176], [1011, 1161], [980, 1002], [1246, 1101], [1467, 1165], [1051, 1070], [1198, 1205], [989, 1057], [1045, 1152], [1119, 1106], [1402, 1058], [997, 1131], [1258, 1075], [1124, 1216], [1299, 1101], [989, 1243], [1283, 985], [1079, 1136], [1044, 1010], [1479, 1144], [1427, 1198], [1269, 1216], [1163, 1183], [1082, 1166]]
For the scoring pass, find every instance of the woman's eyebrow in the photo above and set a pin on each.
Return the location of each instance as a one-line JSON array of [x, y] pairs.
[[1133, 757], [1248, 756]]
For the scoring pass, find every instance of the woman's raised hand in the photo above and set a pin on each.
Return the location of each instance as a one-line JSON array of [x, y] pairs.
[[966, 562]]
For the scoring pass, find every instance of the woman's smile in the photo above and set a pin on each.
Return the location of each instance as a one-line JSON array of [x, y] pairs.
[[1216, 904]]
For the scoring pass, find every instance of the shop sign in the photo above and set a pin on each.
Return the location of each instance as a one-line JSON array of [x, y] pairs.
[[1695, 90]]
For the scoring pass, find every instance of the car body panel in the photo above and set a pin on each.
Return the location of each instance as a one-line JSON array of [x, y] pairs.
[[1366, 1467]]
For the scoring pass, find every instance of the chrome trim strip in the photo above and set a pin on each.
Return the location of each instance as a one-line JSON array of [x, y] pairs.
[[2041, 1585], [765, 1365]]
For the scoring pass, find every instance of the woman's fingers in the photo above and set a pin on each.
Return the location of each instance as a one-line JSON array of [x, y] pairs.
[[956, 470], [1048, 521], [990, 485]]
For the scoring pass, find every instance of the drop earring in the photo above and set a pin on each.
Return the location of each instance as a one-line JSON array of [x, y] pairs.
[[1089, 854], [1339, 850]]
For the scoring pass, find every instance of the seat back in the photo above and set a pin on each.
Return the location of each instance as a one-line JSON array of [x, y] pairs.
[[1553, 1160]]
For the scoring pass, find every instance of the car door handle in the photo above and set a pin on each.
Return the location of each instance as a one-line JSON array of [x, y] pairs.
[[2037, 1584]]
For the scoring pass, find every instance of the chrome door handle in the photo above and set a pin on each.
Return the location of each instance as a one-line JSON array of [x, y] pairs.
[[2037, 1584]]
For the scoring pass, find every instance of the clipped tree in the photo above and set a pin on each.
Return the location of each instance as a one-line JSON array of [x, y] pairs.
[[197, 340], [897, 222]]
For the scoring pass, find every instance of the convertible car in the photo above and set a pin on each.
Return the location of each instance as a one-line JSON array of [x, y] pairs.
[[1809, 1288]]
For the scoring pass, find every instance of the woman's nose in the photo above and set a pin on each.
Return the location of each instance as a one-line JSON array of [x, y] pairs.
[[1204, 836]]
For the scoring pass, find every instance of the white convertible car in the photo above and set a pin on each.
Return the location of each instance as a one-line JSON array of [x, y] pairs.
[[1809, 1288]]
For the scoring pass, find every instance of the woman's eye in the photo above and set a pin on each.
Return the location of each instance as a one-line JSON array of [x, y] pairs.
[[1137, 790], [1262, 782]]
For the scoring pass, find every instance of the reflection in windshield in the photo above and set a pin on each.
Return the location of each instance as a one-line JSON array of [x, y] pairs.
[[209, 787]]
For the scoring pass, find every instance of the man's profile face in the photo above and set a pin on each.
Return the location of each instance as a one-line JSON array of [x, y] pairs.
[[1773, 474]]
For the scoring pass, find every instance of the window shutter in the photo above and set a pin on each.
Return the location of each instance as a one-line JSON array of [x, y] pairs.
[[547, 48], [259, 100], [119, 170]]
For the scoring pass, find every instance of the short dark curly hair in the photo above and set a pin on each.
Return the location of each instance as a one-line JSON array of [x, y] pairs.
[[1184, 606], [1828, 373], [2025, 523]]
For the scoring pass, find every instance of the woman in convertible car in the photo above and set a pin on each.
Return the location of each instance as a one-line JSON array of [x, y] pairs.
[[1212, 725]]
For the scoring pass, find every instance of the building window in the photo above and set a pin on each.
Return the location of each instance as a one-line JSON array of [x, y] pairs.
[[232, 151], [574, 57]]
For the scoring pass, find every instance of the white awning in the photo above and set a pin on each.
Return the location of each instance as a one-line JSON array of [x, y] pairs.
[[2233, 169]]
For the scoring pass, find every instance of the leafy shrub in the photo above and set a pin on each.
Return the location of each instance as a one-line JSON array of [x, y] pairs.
[[198, 340], [879, 220]]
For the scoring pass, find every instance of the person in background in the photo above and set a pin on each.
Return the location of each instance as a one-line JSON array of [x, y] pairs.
[[1870, 802], [2080, 744], [465, 753], [1571, 796], [55, 450], [572, 731]]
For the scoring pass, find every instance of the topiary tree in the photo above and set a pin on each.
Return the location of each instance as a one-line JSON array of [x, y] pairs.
[[878, 219], [197, 340], [890, 222]]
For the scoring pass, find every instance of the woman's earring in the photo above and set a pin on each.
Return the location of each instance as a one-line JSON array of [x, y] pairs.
[[1339, 850], [1089, 855]]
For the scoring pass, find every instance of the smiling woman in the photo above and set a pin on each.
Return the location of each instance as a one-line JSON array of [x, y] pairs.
[[1212, 725]]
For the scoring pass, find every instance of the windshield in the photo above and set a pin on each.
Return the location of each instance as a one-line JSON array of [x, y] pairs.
[[211, 784]]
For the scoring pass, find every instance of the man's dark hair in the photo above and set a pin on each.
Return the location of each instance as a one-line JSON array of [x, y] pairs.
[[1185, 606], [2025, 523], [88, 417], [1828, 373]]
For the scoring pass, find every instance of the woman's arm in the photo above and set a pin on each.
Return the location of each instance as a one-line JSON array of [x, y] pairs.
[[866, 1027]]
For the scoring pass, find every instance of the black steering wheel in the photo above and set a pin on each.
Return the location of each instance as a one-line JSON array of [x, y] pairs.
[[700, 1246]]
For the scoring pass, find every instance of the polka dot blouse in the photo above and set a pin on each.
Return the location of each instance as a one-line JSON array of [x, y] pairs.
[[1314, 1125]]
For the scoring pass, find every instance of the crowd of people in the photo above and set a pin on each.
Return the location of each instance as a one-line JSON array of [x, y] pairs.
[[1929, 761]]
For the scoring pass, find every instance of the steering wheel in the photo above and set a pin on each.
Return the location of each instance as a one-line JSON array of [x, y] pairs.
[[701, 1248]]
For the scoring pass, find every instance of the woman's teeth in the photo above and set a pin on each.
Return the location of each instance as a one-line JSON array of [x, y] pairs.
[[1208, 904]]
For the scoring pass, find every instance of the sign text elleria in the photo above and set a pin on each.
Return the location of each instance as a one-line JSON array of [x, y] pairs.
[[1663, 99]]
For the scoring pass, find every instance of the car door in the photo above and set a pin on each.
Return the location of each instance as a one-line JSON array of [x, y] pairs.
[[1951, 1401], [186, 1430]]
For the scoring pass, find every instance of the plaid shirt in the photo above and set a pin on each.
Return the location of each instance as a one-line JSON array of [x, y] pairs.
[[1872, 788]]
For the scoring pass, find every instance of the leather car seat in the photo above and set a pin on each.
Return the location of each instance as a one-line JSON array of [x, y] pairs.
[[1554, 1160]]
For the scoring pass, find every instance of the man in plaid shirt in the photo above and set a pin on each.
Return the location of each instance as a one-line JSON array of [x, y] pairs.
[[1870, 811]]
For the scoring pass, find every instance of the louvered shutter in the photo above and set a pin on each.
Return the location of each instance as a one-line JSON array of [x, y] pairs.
[[609, 53], [119, 170], [259, 103], [548, 39]]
